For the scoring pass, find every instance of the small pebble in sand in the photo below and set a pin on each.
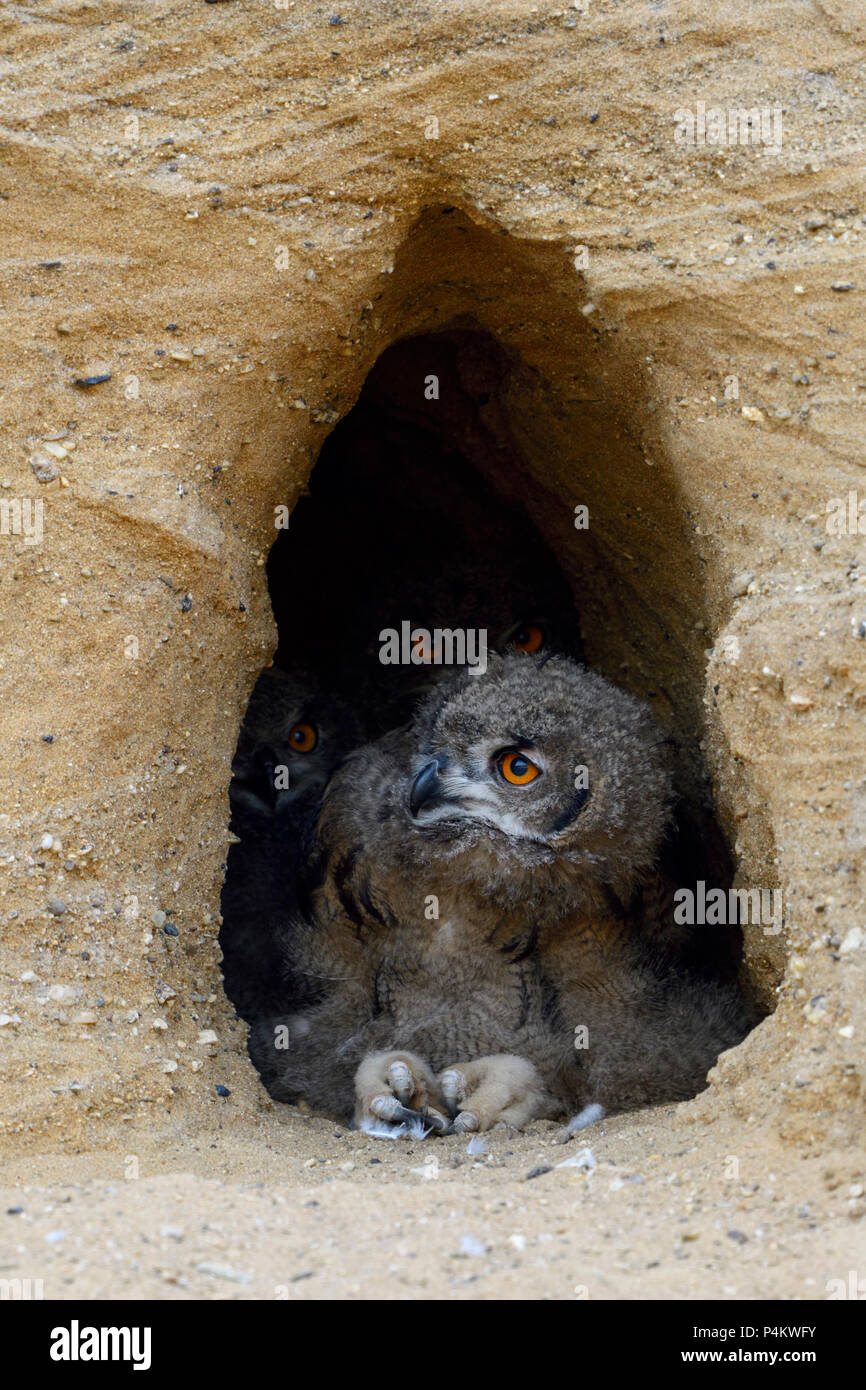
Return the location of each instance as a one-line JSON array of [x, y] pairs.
[[470, 1246], [44, 467], [96, 379], [61, 994], [56, 906], [739, 585], [816, 1008], [220, 1271]]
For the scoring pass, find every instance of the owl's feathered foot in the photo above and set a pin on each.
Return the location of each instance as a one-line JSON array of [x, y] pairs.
[[491, 1091], [398, 1087]]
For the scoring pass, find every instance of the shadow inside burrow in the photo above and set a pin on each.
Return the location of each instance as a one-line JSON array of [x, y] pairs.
[[423, 511]]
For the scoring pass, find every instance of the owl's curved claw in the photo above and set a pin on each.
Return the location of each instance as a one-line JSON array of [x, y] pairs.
[[501, 1089], [398, 1088], [391, 1109], [453, 1086], [401, 1082], [464, 1123], [437, 1122]]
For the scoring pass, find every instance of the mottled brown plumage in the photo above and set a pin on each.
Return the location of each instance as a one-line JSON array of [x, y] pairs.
[[472, 929]]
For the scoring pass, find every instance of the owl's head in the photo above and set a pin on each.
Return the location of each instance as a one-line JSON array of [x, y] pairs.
[[293, 736], [541, 769]]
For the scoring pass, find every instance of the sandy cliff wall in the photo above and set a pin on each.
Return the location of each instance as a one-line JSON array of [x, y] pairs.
[[233, 209]]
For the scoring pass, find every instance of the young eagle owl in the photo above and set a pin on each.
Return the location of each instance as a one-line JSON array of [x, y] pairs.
[[292, 737], [467, 929]]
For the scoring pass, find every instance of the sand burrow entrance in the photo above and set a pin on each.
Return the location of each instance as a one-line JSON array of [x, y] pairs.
[[464, 488]]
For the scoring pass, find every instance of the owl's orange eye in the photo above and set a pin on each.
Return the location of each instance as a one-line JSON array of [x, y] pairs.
[[517, 769], [528, 639], [303, 738]]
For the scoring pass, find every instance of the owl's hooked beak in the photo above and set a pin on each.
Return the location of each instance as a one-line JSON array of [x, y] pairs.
[[426, 790]]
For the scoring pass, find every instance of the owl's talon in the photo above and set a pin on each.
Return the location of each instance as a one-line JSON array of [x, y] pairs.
[[465, 1123], [453, 1086], [387, 1108], [437, 1122], [390, 1109], [400, 1081], [502, 1089], [398, 1088]]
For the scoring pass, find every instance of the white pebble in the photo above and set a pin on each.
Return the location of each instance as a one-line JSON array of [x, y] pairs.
[[470, 1246], [219, 1271], [62, 994]]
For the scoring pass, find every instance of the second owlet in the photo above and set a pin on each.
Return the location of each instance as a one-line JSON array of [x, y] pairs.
[[466, 921], [292, 737]]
